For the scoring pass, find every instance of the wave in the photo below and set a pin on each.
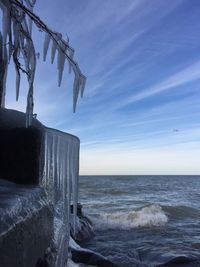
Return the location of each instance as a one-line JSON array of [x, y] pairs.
[[181, 211], [149, 216]]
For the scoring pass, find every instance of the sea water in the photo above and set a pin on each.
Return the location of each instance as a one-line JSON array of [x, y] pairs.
[[144, 220]]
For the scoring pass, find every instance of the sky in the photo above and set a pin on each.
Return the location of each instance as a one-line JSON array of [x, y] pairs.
[[141, 108]]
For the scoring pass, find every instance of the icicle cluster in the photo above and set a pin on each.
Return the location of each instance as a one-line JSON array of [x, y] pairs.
[[64, 53], [17, 42], [60, 175]]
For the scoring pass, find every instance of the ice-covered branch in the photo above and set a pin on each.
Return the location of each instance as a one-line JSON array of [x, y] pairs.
[[18, 17]]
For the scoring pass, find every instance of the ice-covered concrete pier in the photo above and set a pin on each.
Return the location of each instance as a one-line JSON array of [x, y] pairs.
[[39, 181]]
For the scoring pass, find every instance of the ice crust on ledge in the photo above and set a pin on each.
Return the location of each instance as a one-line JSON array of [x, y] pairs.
[[18, 203]]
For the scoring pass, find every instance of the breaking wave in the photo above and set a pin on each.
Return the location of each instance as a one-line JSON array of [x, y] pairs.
[[148, 216]]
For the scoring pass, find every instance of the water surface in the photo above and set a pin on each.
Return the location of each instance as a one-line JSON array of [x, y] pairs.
[[144, 220]]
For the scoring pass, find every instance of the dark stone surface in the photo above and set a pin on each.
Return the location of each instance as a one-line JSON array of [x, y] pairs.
[[85, 228], [20, 155], [91, 258], [21, 148], [42, 263]]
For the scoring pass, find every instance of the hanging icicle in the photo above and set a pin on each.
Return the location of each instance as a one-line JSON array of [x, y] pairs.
[[53, 51], [17, 83], [83, 82], [76, 87], [71, 55], [46, 45], [3, 73], [61, 61]]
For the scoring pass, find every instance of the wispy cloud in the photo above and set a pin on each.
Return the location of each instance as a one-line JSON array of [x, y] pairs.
[[182, 77]]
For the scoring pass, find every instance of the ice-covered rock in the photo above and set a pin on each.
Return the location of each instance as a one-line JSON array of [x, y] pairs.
[[84, 226], [26, 224]]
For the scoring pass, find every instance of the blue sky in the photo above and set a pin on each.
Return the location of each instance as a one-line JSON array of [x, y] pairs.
[[142, 62]]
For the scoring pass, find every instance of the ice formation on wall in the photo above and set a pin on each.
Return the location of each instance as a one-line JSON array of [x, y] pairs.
[[17, 41], [60, 175]]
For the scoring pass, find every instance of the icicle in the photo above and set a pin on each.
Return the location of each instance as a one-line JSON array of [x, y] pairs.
[[55, 166], [4, 84], [25, 26], [32, 66], [44, 179], [10, 47], [71, 55], [61, 64], [75, 92], [51, 176], [24, 53], [58, 168], [83, 82], [64, 176], [55, 42], [68, 177], [46, 45], [75, 170], [16, 33], [17, 83], [29, 107], [75, 187], [53, 51]]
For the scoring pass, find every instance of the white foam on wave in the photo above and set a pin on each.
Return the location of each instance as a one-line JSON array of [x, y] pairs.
[[148, 216]]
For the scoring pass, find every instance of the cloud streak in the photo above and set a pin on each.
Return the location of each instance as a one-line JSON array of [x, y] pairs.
[[187, 75]]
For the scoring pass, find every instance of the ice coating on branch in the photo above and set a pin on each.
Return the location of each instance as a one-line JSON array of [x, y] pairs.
[[60, 174], [6, 23], [30, 5], [17, 44]]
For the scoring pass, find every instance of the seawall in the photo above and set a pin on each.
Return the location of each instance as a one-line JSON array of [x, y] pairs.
[[38, 170]]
